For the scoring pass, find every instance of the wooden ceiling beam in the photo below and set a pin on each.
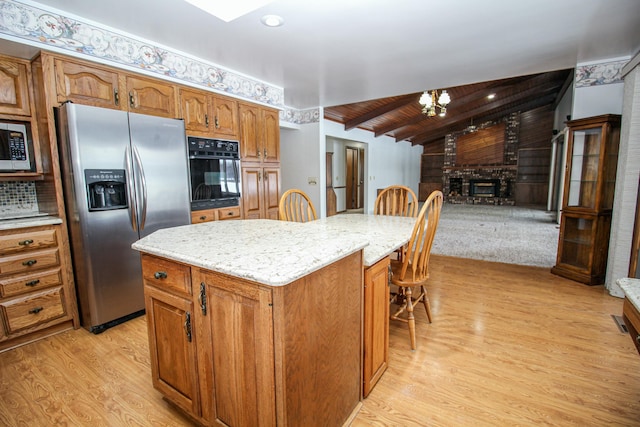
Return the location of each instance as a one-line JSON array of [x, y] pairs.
[[429, 137], [380, 111], [499, 88], [503, 101]]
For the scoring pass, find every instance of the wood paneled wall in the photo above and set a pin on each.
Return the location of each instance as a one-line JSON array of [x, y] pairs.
[[534, 144]]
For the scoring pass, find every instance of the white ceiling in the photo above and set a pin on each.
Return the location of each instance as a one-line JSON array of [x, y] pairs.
[[332, 52]]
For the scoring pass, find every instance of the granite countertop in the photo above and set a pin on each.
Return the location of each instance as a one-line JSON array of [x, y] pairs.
[[631, 288], [271, 252], [384, 233], [36, 221]]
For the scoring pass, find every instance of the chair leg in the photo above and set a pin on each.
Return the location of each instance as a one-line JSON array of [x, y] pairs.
[[411, 320], [425, 301]]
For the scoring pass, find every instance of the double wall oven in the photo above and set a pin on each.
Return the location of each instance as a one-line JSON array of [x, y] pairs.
[[214, 167]]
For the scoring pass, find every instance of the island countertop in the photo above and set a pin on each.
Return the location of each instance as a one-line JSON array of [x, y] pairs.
[[278, 252], [384, 233], [271, 252], [631, 288]]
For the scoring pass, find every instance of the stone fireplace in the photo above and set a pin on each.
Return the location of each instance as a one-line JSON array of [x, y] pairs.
[[480, 167]]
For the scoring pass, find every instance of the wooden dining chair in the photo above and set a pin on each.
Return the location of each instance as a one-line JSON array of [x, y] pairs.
[[396, 200], [296, 206], [413, 271]]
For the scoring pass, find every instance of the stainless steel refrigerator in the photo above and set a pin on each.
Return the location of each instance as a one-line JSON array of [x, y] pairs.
[[125, 175]]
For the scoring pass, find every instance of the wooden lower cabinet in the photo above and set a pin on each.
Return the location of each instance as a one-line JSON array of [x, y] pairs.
[[376, 324], [259, 355], [260, 191], [36, 298], [631, 318], [219, 214]]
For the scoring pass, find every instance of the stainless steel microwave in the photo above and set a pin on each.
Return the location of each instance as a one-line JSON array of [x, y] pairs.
[[14, 149]]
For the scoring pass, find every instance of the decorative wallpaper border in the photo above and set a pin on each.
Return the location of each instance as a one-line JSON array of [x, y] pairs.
[[300, 117], [599, 74], [49, 29]]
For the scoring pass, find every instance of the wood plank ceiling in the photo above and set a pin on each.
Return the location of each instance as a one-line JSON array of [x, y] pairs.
[[401, 117]]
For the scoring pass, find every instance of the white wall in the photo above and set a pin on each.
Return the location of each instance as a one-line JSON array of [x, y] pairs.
[[386, 162], [302, 162], [626, 192], [303, 155], [597, 100]]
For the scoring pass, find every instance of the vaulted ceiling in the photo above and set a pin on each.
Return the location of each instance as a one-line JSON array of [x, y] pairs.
[[401, 117]]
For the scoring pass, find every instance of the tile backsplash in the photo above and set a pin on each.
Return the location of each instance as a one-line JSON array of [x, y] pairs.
[[18, 197]]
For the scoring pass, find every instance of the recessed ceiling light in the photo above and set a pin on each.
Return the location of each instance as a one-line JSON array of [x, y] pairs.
[[491, 96], [272, 20], [230, 9]]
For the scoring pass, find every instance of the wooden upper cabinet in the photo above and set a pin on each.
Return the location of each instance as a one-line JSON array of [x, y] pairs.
[[271, 135], [195, 110], [209, 115], [153, 97], [225, 118], [250, 147], [83, 83], [259, 134], [14, 87]]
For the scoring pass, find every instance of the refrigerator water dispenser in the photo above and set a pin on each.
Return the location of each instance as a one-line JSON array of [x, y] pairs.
[[106, 189]]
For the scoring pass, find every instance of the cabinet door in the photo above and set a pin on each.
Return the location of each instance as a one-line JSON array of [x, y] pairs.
[[82, 84], [195, 110], [376, 323], [14, 96], [271, 136], [271, 190], [238, 325], [174, 367], [225, 118], [151, 97], [250, 148], [252, 192]]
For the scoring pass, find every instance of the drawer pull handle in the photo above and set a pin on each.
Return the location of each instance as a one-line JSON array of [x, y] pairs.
[[25, 242], [36, 310], [202, 218], [638, 339], [160, 275], [30, 262], [32, 283]]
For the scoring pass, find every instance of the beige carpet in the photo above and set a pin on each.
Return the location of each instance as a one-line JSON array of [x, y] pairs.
[[506, 234]]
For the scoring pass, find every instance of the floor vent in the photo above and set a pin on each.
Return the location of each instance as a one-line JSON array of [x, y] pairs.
[[620, 322]]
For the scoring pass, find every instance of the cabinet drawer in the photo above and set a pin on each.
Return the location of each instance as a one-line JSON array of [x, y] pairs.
[[12, 243], [27, 262], [202, 216], [229, 213], [22, 313], [166, 274], [28, 283]]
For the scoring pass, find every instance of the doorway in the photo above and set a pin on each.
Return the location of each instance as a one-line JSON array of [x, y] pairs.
[[355, 178]]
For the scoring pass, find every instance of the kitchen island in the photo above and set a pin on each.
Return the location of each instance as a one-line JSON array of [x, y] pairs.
[[260, 322]]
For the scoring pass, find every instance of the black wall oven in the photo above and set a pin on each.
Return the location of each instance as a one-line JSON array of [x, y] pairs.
[[214, 167]]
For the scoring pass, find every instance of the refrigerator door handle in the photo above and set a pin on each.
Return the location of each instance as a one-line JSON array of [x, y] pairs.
[[130, 191], [143, 185]]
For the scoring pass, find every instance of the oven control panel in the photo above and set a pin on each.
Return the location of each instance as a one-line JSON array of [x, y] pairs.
[[206, 147]]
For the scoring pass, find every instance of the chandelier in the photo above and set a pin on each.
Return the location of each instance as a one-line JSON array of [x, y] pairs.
[[431, 101]]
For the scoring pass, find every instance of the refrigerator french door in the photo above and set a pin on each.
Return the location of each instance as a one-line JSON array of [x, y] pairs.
[[125, 175]]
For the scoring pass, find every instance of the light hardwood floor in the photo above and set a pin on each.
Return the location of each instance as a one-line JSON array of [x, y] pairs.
[[509, 346]]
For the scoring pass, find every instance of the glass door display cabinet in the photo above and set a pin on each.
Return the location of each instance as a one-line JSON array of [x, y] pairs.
[[592, 158]]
